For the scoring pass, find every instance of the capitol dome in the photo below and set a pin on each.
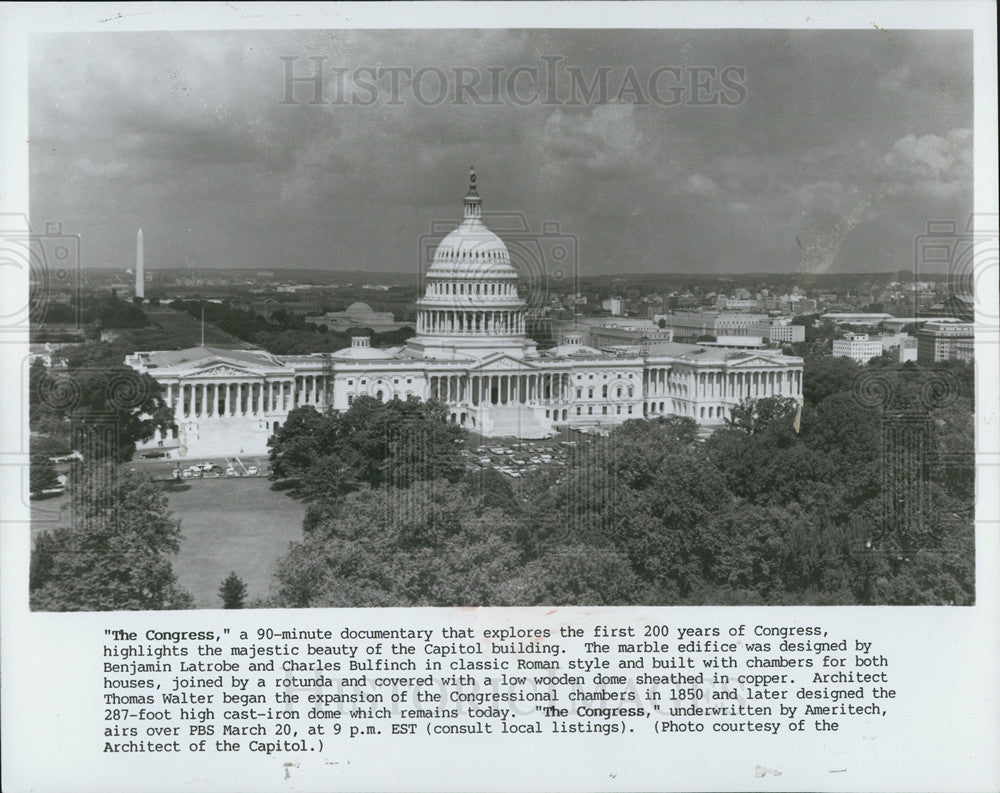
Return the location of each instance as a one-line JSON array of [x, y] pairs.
[[470, 299], [472, 250]]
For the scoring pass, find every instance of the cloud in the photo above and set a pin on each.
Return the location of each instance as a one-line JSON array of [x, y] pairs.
[[701, 185], [185, 134], [604, 141], [935, 166]]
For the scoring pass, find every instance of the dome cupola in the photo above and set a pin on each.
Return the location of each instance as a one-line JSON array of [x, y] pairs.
[[470, 297]]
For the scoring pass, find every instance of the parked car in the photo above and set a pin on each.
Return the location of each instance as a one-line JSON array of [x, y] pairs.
[[74, 455], [230, 471], [253, 470]]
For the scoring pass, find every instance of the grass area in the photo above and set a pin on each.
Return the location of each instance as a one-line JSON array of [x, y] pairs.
[[189, 329], [231, 524]]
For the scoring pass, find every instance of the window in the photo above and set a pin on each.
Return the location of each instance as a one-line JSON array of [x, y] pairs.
[[578, 410], [604, 392], [579, 393], [590, 410], [630, 410], [604, 409], [590, 393], [618, 410]]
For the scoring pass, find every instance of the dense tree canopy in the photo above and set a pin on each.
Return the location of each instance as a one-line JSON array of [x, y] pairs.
[[100, 408], [283, 333], [373, 443], [861, 495], [116, 555]]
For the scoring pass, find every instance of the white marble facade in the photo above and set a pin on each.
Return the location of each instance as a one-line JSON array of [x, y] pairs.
[[471, 353]]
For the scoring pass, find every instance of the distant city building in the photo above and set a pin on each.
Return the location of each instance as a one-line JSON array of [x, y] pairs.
[[359, 315], [899, 323], [268, 307], [892, 340], [843, 318], [908, 350], [472, 354], [858, 346], [735, 304], [614, 305], [945, 340], [639, 333], [705, 323]]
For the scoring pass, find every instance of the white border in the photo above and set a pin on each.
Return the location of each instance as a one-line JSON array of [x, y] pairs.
[[951, 656]]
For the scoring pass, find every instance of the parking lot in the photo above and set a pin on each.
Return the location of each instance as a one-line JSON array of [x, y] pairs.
[[161, 468], [516, 458]]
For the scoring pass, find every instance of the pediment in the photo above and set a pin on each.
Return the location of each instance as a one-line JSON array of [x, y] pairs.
[[502, 362], [756, 362], [226, 370]]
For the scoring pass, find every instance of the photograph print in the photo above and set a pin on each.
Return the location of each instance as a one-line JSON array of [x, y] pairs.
[[372, 318]]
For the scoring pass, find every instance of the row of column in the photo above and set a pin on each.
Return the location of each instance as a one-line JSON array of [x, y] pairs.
[[737, 385], [724, 385], [310, 389], [488, 289], [223, 399], [480, 323], [500, 389]]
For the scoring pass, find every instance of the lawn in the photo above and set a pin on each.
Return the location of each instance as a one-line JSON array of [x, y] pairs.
[[229, 525]]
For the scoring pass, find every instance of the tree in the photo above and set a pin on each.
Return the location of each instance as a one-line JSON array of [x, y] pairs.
[[42, 474], [108, 406], [426, 545], [233, 592], [580, 575], [755, 415], [824, 375], [374, 443], [116, 554]]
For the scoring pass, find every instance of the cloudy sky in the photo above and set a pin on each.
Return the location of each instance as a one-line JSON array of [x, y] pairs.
[[821, 151]]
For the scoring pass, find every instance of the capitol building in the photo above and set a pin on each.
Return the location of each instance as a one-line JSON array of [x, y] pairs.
[[471, 352]]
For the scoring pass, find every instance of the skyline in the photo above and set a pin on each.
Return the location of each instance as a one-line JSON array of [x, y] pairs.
[[845, 144]]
